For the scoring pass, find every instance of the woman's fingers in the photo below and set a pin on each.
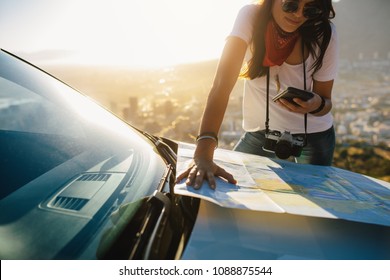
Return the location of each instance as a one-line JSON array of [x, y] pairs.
[[226, 175], [183, 175], [199, 179], [196, 174], [191, 175], [211, 180]]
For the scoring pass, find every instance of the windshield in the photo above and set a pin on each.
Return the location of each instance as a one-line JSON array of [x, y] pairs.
[[64, 156], [45, 123]]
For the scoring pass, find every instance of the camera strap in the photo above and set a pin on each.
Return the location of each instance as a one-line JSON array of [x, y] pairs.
[[304, 87]]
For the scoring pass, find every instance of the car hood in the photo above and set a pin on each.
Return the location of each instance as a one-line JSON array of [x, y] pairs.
[[283, 210]]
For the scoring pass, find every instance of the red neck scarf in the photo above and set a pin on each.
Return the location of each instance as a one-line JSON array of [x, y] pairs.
[[278, 44]]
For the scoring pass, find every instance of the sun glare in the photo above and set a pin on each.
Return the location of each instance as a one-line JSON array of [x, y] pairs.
[[141, 33], [125, 32], [144, 33]]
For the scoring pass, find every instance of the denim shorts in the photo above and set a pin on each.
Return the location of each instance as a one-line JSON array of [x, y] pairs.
[[318, 150]]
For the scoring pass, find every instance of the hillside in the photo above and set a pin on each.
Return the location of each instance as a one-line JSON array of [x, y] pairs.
[[365, 159]]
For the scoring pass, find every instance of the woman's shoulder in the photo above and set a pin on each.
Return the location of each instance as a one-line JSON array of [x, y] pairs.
[[250, 8], [244, 23], [247, 13]]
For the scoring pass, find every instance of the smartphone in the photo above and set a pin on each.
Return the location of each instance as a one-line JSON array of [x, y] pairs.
[[291, 92]]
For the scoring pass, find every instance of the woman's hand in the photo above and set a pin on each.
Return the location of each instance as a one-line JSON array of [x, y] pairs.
[[201, 170], [302, 106], [323, 89]]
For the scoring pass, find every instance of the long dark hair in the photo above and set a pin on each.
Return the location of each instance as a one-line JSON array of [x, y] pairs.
[[315, 33]]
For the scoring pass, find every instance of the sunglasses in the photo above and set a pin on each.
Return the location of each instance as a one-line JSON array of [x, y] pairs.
[[310, 10]]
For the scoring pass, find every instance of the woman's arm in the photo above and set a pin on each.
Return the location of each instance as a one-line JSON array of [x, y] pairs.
[[229, 66]]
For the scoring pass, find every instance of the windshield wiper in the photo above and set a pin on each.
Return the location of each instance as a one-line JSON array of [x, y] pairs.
[[168, 151], [147, 243], [145, 232], [165, 147], [167, 178], [138, 226], [138, 230]]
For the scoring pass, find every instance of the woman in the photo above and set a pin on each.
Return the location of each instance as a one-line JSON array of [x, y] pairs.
[[289, 44]]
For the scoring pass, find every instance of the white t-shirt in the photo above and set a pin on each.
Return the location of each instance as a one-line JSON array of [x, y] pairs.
[[254, 103]]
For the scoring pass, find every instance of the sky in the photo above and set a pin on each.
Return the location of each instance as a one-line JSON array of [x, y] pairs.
[[120, 32], [132, 33]]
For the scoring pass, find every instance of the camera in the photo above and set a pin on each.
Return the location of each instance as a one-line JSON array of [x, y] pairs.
[[283, 144]]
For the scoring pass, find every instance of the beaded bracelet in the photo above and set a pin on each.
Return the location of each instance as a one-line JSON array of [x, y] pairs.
[[207, 135]]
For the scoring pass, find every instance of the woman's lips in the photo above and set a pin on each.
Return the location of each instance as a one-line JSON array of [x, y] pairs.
[[293, 22]]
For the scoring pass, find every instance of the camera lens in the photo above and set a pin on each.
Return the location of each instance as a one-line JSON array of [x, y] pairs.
[[283, 149]]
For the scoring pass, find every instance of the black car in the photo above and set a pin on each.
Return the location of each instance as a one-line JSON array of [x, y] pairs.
[[76, 182]]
